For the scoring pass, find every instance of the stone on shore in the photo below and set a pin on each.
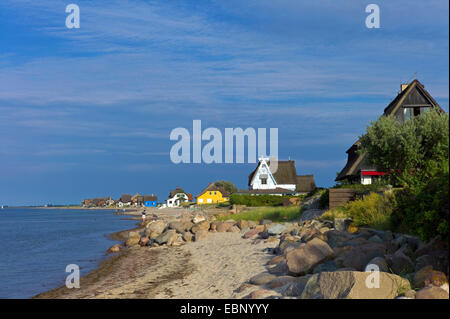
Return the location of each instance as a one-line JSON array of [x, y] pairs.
[[432, 292], [187, 236], [327, 266], [242, 224], [133, 238], [223, 227], [252, 232], [400, 263], [203, 225], [380, 262], [143, 241], [155, 228], [201, 234], [276, 229], [181, 226], [341, 224], [167, 237], [198, 218], [262, 279], [427, 276], [358, 257], [114, 249], [353, 285], [233, 229], [304, 258]]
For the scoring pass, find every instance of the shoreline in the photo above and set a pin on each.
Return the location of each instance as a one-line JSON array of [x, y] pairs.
[[103, 269]]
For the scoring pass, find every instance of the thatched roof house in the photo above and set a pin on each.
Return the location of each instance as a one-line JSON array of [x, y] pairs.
[[412, 101]]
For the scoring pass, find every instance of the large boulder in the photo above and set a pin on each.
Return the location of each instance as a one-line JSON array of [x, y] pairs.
[[155, 228], [400, 263], [427, 276], [242, 224], [233, 229], [187, 236], [358, 257], [341, 224], [380, 262], [280, 269], [203, 225], [114, 249], [353, 285], [432, 292], [201, 234], [337, 238], [133, 238], [144, 241], [252, 232], [262, 278], [306, 234], [223, 227], [198, 218], [167, 237], [276, 229], [305, 257], [181, 226], [327, 266]]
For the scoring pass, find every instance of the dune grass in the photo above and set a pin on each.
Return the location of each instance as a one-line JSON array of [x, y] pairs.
[[373, 210], [275, 214]]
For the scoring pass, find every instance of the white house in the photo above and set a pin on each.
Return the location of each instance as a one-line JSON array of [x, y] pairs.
[[284, 181], [176, 197]]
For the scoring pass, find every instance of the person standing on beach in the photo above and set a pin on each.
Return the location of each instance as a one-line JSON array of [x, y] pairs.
[[143, 215]]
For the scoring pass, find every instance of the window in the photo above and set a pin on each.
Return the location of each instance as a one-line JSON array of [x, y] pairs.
[[264, 181], [215, 193], [210, 193], [406, 113]]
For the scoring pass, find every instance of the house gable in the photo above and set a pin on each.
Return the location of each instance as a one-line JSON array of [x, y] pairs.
[[411, 101]]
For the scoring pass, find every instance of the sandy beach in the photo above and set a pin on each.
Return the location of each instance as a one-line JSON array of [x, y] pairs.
[[215, 267]]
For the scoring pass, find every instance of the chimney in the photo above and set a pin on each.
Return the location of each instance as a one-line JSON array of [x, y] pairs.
[[404, 86]]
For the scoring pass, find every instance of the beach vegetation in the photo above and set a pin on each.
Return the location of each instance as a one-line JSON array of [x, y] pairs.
[[275, 214]]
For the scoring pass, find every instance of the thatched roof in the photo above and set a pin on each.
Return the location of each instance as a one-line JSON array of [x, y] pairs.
[[305, 183], [212, 187], [176, 191], [287, 174]]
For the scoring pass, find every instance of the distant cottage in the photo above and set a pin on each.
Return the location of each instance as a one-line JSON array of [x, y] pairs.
[[212, 194], [412, 101], [177, 197], [284, 181]]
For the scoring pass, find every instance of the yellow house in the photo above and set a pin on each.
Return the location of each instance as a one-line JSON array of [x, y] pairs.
[[212, 194]]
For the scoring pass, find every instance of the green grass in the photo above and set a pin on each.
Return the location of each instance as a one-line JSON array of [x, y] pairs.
[[275, 214]]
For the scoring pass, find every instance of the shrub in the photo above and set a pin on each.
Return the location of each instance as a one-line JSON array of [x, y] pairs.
[[275, 214], [257, 200], [423, 206], [373, 210], [337, 212]]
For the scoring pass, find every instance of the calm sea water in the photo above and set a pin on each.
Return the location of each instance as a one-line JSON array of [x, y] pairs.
[[38, 244]]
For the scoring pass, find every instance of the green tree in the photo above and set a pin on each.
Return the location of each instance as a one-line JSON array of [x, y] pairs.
[[227, 186], [416, 154], [407, 148]]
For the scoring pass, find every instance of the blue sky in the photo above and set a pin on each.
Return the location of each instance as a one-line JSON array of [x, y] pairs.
[[88, 112]]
